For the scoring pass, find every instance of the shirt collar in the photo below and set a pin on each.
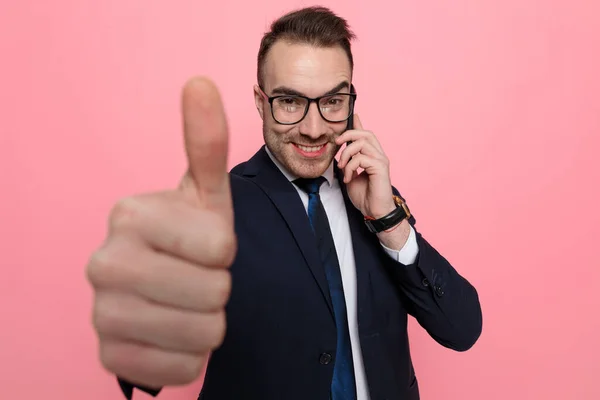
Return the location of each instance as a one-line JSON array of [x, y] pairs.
[[328, 174]]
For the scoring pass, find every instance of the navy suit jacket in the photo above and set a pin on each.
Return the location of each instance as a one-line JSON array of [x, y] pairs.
[[281, 336]]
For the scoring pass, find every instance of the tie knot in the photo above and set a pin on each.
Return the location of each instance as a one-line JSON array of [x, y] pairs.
[[310, 185]]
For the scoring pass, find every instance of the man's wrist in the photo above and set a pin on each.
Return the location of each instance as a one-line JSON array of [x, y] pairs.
[[383, 211], [395, 238]]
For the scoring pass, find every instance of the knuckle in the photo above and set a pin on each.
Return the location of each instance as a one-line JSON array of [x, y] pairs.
[[107, 318], [202, 333], [222, 288], [109, 358], [224, 246], [123, 359], [100, 267], [191, 369], [95, 268], [218, 327], [108, 267], [124, 213]]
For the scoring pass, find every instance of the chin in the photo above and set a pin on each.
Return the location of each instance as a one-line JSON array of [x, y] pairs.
[[309, 173], [309, 168]]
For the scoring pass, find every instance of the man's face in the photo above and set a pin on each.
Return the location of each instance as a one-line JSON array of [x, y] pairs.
[[306, 148]]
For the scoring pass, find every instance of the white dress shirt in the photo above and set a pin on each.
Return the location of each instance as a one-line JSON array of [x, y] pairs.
[[333, 202]]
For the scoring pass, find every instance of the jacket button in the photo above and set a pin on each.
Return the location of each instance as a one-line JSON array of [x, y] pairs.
[[325, 358], [439, 291], [425, 282]]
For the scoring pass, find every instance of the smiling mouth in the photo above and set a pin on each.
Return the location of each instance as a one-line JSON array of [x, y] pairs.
[[310, 149]]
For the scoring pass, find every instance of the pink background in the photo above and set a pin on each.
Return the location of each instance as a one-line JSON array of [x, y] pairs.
[[489, 111]]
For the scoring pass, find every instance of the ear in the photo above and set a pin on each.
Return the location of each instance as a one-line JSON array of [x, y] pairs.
[[259, 100]]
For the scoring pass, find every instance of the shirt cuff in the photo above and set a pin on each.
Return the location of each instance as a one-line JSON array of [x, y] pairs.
[[408, 254]]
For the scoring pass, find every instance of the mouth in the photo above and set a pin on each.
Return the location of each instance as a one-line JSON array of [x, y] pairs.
[[310, 151]]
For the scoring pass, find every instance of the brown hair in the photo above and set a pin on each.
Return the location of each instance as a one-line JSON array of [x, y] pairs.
[[316, 26]]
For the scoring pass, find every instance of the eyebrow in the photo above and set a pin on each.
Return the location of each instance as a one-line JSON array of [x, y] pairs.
[[292, 92]]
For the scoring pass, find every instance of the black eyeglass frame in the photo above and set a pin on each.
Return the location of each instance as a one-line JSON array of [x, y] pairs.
[[310, 100]]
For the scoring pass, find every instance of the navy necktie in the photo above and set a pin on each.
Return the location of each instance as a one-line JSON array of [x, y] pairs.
[[343, 386]]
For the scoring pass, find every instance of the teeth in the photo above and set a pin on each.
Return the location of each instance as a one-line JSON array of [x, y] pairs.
[[310, 149]]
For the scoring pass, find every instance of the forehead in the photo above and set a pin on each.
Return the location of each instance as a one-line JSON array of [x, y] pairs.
[[307, 69]]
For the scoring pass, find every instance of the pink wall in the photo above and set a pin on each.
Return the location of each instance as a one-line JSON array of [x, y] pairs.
[[489, 110]]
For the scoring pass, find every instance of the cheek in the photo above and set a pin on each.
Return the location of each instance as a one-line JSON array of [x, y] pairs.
[[282, 132], [340, 128]]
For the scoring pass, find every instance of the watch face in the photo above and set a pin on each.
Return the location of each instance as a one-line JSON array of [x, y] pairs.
[[401, 203]]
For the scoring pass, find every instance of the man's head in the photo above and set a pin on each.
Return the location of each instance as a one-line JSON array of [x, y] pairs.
[[307, 53]]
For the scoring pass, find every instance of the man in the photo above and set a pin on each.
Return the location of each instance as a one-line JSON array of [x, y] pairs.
[[294, 271]]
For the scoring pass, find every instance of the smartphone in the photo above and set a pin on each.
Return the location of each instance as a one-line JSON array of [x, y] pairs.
[[350, 124]]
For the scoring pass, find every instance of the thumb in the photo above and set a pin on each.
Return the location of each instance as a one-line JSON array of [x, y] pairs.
[[206, 140]]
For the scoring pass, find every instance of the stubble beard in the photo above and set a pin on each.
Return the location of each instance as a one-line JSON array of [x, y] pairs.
[[282, 149]]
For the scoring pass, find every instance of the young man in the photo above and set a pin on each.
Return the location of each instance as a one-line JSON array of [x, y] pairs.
[[294, 271]]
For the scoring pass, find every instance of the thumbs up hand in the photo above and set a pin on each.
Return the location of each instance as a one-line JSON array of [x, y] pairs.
[[161, 278]]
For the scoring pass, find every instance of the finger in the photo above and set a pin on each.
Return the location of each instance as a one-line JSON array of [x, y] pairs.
[[355, 135], [361, 146], [159, 278], [353, 176], [131, 318], [353, 166], [200, 236], [150, 366], [370, 165], [206, 142]]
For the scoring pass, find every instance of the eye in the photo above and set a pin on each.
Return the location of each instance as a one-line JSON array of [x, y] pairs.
[[288, 101], [332, 101]]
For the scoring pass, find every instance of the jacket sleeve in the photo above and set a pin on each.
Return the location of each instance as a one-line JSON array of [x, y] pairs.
[[444, 303], [127, 389]]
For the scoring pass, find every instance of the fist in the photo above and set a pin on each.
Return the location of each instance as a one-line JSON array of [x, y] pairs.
[[161, 279]]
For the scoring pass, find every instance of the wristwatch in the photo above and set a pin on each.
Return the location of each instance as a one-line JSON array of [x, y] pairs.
[[389, 221]]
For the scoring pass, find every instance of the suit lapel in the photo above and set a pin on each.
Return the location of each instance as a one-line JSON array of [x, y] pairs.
[[284, 196]]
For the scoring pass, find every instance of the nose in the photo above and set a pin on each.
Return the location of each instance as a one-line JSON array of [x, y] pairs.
[[313, 125]]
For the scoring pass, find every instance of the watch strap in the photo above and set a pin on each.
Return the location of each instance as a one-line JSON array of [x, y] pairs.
[[400, 213]]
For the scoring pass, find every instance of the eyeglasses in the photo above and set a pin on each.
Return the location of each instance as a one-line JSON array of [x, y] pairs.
[[291, 109]]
